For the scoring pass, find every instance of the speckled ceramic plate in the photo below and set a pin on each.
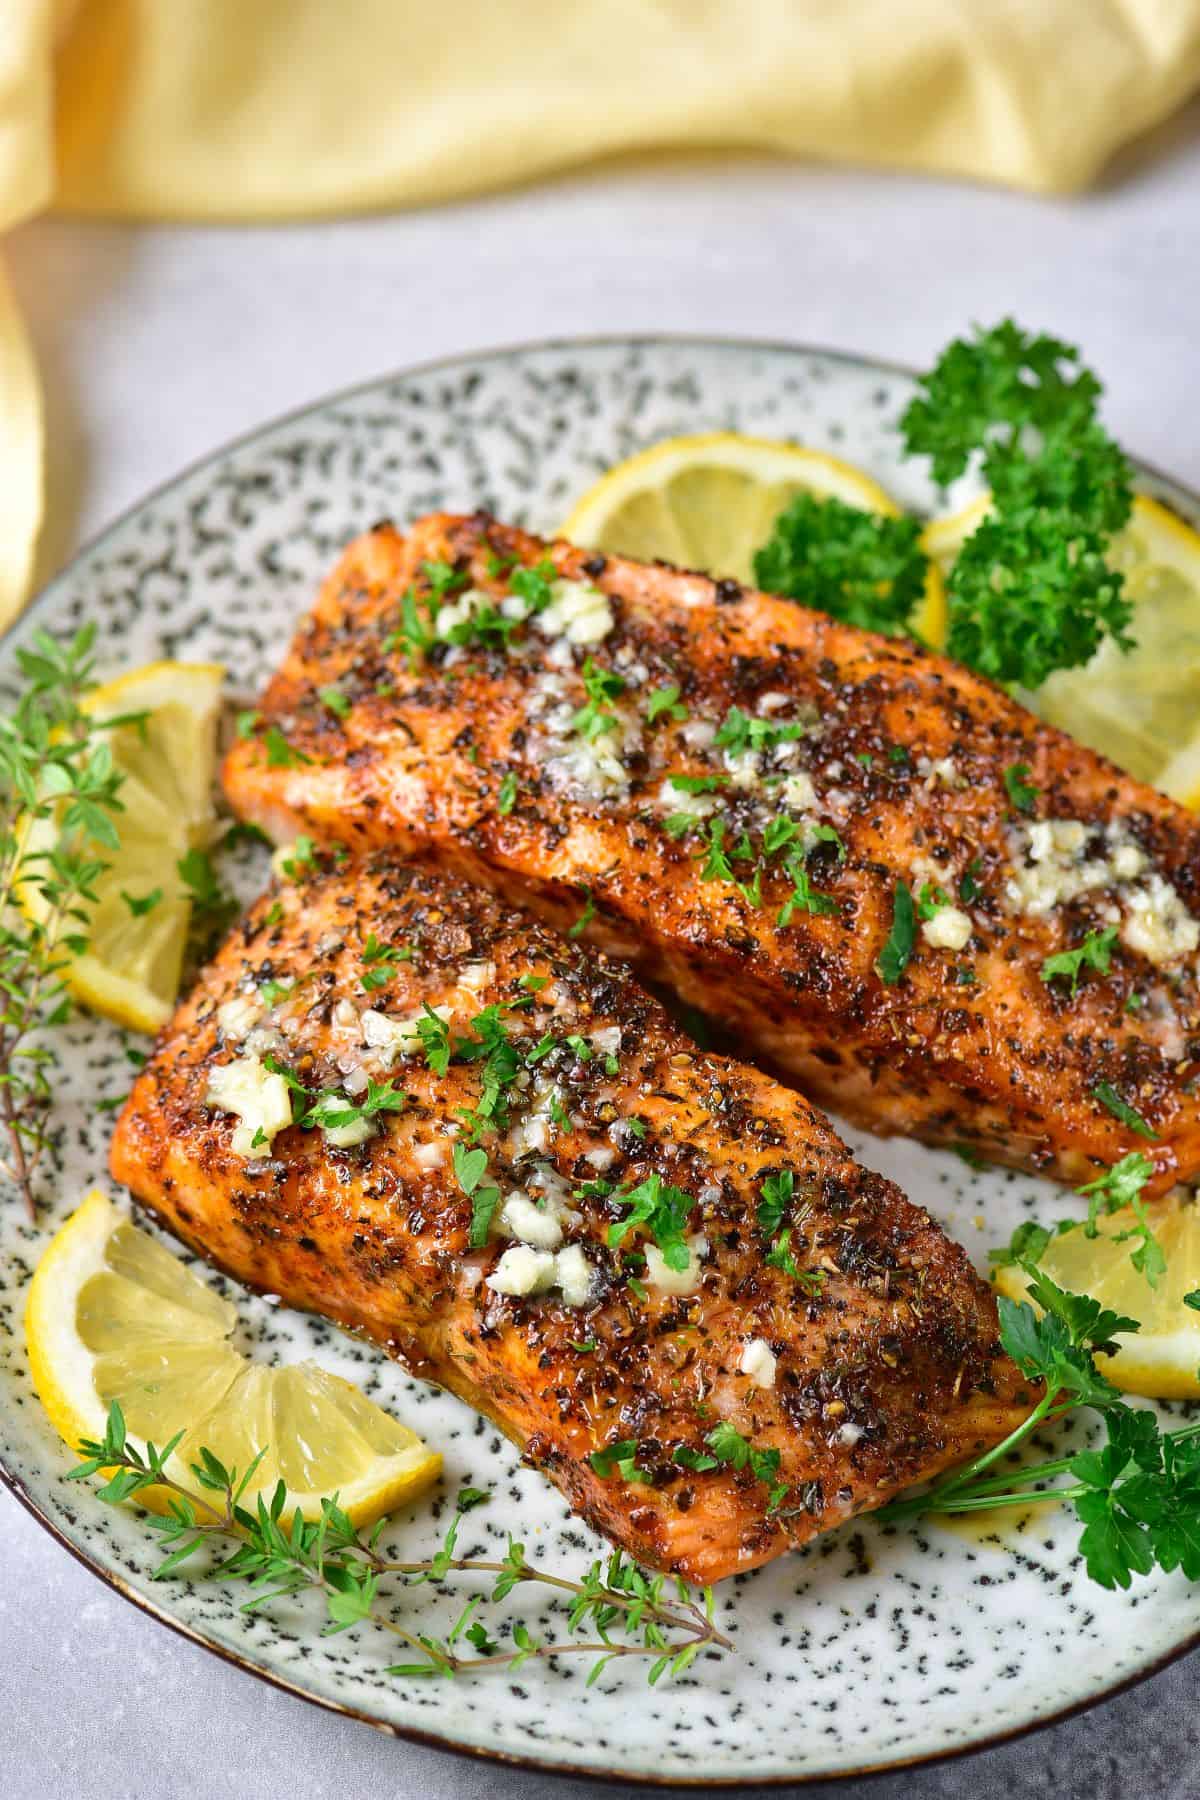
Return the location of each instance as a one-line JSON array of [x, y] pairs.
[[872, 1648]]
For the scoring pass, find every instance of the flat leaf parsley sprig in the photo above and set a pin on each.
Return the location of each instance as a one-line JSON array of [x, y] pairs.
[[627, 1611], [52, 762], [1137, 1497]]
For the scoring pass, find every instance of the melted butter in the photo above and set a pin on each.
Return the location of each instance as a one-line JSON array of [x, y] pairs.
[[1000, 1527]]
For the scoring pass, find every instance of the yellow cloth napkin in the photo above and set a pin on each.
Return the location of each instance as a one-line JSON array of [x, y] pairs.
[[243, 109]]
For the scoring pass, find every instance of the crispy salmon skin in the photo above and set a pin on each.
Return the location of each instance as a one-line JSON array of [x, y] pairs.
[[863, 858], [659, 1271]]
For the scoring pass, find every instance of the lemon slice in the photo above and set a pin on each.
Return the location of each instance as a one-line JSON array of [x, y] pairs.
[[1141, 707], [131, 968], [709, 502], [1162, 1360], [112, 1315]]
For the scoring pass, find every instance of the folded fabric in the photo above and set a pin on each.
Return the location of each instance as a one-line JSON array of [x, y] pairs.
[[257, 109]]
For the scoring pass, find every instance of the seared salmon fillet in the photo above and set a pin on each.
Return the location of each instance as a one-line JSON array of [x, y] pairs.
[[657, 1270], [863, 858]]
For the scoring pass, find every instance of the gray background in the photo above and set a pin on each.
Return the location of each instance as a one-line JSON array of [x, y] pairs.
[[158, 344]]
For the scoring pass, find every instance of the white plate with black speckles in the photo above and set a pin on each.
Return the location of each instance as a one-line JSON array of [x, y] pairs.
[[871, 1649]]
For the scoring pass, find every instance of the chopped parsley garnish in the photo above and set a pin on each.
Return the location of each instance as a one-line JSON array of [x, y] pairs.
[[414, 635], [895, 955], [664, 703], [140, 905], [334, 700], [535, 586], [1022, 793], [281, 754], [470, 1167], [301, 855], [803, 897], [1095, 952], [1117, 1188], [380, 960], [621, 1459], [730, 1447], [247, 723], [968, 887], [663, 1210], [333, 1111], [585, 918], [775, 1200], [931, 900], [863, 567], [1120, 1109], [506, 799], [601, 686], [739, 733], [698, 784], [272, 991]]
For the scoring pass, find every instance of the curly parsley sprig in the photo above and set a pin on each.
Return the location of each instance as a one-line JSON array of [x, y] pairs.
[[1137, 1497], [629, 1612], [1031, 590]]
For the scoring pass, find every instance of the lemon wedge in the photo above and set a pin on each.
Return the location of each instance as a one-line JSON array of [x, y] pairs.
[[138, 922], [112, 1315], [1162, 1360], [710, 501], [1141, 708]]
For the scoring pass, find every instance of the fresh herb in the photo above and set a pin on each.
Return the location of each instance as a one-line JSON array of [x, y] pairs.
[[1117, 1188], [272, 992], [895, 955], [1095, 952], [470, 1167], [1137, 1498], [740, 732], [301, 856], [775, 1200], [506, 799], [863, 567], [535, 586], [601, 686], [413, 635], [803, 897], [380, 962], [247, 723], [931, 900], [620, 1459], [332, 1111], [663, 1210], [281, 754], [55, 765], [140, 905], [664, 703], [585, 918], [630, 1612], [698, 784], [730, 1447], [214, 908], [1022, 793], [1120, 1109], [1031, 590], [968, 887], [335, 701]]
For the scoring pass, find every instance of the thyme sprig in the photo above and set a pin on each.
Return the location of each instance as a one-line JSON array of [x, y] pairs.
[[627, 1611], [54, 762]]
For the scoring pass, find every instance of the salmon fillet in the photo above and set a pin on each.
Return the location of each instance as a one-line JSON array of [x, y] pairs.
[[862, 1358], [768, 812]]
